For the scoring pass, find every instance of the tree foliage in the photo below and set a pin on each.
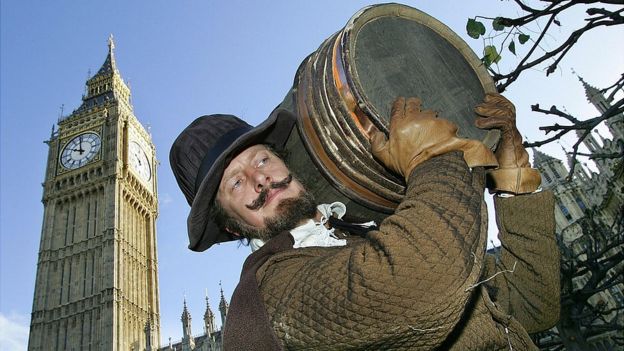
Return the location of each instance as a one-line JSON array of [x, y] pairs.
[[509, 34]]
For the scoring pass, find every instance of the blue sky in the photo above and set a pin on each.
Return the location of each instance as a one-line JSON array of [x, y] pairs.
[[184, 59]]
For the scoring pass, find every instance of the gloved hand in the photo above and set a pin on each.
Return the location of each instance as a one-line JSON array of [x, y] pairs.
[[417, 136], [514, 174]]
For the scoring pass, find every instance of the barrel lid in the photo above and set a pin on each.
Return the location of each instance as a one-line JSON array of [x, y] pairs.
[[344, 91], [383, 42]]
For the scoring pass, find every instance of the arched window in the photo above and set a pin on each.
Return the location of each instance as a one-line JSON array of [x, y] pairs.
[[580, 203], [565, 212], [557, 175]]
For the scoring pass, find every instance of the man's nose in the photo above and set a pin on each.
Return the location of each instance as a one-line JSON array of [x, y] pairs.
[[261, 180]]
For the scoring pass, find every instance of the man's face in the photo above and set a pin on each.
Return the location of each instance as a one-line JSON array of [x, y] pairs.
[[253, 186]]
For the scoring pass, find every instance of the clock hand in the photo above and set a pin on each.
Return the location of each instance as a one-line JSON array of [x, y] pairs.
[[80, 145]]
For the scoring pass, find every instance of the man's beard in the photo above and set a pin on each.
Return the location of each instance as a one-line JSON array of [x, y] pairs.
[[289, 214]]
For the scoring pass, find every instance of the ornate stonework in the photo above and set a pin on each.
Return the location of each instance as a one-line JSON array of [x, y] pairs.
[[600, 190], [97, 273]]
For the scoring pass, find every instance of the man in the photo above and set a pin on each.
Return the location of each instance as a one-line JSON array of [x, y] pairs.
[[420, 281]]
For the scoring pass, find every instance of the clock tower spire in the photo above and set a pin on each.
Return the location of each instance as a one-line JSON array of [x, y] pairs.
[[97, 279], [106, 84]]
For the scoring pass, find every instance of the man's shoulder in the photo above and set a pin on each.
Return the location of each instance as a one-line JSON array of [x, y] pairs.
[[290, 261]]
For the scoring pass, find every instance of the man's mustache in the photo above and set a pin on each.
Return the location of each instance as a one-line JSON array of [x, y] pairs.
[[261, 200]]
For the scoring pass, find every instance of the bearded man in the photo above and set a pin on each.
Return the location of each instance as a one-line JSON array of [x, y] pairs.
[[419, 281]]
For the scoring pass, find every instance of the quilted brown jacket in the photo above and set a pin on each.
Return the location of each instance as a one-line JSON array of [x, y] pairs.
[[421, 282]]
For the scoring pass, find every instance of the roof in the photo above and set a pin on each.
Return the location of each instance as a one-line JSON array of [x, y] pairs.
[[541, 158], [109, 66]]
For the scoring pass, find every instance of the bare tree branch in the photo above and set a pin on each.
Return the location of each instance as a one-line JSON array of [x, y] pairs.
[[605, 18], [592, 263]]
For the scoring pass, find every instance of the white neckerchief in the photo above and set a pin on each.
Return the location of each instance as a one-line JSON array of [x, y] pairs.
[[313, 233]]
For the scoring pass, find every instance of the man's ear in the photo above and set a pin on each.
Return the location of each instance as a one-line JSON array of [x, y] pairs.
[[232, 232]]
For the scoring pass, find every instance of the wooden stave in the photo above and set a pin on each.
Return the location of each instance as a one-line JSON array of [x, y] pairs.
[[299, 103]]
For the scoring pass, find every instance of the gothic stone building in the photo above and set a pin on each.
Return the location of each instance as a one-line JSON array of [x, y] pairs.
[[97, 277], [210, 340], [601, 190]]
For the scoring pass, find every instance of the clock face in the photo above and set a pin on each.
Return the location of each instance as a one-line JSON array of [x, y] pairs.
[[80, 150], [138, 161]]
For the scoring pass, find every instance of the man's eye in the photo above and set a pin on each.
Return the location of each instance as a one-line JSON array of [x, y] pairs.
[[236, 184], [263, 161]]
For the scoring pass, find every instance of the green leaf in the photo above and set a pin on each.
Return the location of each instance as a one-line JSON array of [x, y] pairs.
[[490, 55], [497, 24], [523, 38], [487, 61], [512, 47], [475, 28]]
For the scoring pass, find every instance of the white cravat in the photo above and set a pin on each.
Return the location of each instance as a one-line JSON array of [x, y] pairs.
[[313, 233]]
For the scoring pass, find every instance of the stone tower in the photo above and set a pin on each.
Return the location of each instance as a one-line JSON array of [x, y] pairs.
[[188, 341], [211, 340], [209, 319], [97, 279], [223, 307], [600, 191], [602, 104]]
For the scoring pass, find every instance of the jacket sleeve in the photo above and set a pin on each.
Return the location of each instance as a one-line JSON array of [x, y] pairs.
[[408, 283], [526, 270]]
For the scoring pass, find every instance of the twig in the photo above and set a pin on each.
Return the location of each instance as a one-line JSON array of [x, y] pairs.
[[492, 277]]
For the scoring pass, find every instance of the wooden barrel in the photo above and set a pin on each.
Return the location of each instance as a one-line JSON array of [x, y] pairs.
[[344, 91]]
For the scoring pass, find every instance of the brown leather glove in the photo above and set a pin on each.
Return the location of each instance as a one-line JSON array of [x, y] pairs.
[[417, 136], [514, 174]]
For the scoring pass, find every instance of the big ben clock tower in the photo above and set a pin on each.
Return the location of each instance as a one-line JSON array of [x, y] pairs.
[[97, 279]]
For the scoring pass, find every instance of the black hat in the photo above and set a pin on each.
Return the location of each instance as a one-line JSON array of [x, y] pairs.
[[201, 153]]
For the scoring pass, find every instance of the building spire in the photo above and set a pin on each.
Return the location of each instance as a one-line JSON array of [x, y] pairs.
[[111, 44], [106, 84], [592, 94], [109, 67], [540, 158], [209, 322], [579, 169], [188, 342], [223, 306], [186, 316]]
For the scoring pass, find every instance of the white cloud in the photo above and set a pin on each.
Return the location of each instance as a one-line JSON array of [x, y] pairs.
[[13, 332], [165, 199]]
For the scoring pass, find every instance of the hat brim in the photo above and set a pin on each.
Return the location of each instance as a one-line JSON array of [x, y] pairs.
[[202, 230]]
